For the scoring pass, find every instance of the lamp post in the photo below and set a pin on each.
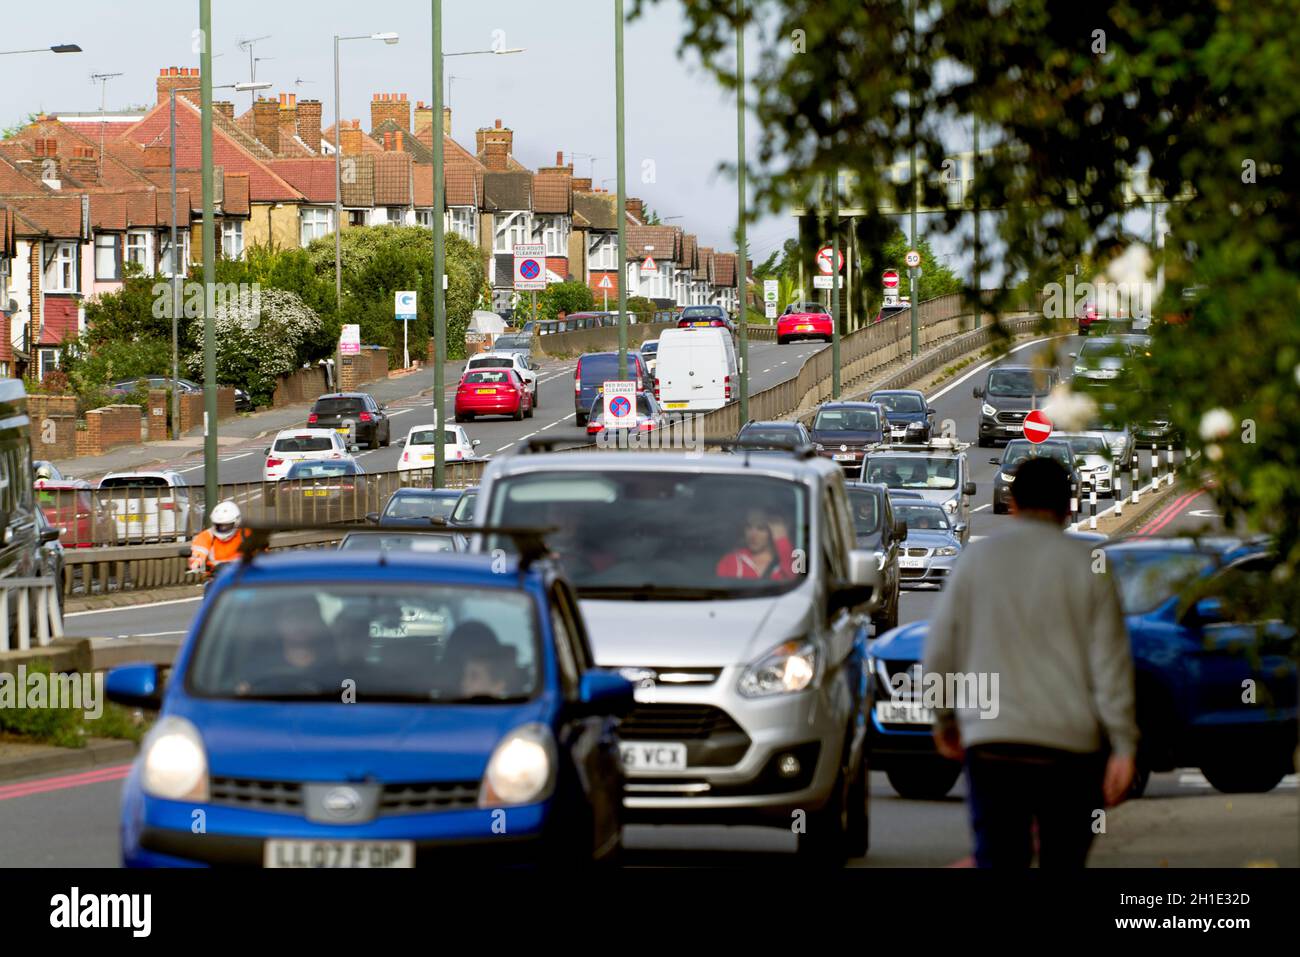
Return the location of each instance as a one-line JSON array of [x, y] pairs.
[[209, 269], [622, 189], [389, 38], [742, 257], [57, 48], [175, 264]]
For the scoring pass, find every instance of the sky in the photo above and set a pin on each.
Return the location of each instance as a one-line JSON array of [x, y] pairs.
[[557, 95]]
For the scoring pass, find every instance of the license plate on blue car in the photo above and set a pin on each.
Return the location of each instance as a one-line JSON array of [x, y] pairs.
[[339, 854]]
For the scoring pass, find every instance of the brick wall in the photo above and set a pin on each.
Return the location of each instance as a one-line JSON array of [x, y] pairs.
[[370, 364], [192, 408], [54, 426], [300, 386], [156, 417], [109, 428]]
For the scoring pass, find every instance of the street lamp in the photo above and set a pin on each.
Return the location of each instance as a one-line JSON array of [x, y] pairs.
[[390, 39], [57, 48], [175, 264]]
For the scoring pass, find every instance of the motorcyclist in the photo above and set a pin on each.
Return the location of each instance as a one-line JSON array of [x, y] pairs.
[[219, 544]]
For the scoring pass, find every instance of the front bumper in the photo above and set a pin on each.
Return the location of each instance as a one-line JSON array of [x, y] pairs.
[[991, 428], [933, 571]]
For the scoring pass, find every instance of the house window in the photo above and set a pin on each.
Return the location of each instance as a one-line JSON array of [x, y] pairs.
[[61, 275], [48, 359], [602, 252], [232, 238], [555, 234], [464, 223], [424, 218], [108, 256], [396, 216], [316, 223], [139, 249], [356, 217], [512, 229], [165, 266]]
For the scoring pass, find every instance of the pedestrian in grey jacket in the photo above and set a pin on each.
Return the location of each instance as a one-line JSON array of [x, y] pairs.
[[1026, 610]]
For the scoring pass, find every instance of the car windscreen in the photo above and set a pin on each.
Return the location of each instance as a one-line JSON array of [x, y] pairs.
[[663, 534], [134, 481], [899, 401], [1017, 452], [389, 542], [420, 643], [918, 516], [419, 506], [702, 312], [430, 437], [780, 437], [1019, 382], [464, 510], [491, 362], [649, 348], [1147, 579], [304, 443], [1104, 348], [847, 420], [867, 508], [513, 342], [338, 406], [488, 378], [912, 471], [1088, 445], [315, 470]]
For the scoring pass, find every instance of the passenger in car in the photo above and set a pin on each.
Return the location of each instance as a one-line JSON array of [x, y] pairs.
[[766, 552]]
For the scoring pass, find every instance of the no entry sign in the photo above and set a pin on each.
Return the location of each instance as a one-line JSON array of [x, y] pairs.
[[889, 279], [1037, 426]]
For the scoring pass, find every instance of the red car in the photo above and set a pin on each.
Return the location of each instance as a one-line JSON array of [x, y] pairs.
[[492, 392], [1088, 315], [69, 506], [803, 320]]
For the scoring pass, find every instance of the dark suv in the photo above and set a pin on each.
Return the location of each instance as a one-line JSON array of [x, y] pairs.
[[846, 430], [878, 530], [353, 413], [1009, 394]]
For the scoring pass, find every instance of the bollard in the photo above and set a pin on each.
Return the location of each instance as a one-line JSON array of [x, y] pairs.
[[1092, 505], [1155, 468], [1074, 506], [1135, 478], [1117, 493], [1170, 461]]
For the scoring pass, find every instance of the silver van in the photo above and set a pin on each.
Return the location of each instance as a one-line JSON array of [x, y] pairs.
[[729, 589]]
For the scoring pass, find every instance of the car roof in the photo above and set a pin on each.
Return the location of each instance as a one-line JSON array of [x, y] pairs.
[[868, 487], [780, 466], [898, 392], [425, 493], [144, 473], [914, 453], [845, 404], [294, 433], [318, 566], [771, 424]]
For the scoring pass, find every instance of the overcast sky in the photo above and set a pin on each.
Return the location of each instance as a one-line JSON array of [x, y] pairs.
[[558, 95]]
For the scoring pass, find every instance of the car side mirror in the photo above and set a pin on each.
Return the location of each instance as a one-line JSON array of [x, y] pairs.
[[1074, 355], [968, 488], [50, 535], [931, 411], [977, 392], [372, 518], [266, 451], [135, 686], [861, 590], [995, 461], [959, 529], [476, 443], [354, 449], [900, 530], [605, 692]]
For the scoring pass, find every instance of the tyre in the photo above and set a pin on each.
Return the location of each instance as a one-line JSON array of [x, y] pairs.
[[928, 781], [529, 413], [536, 404], [858, 833], [388, 437], [580, 420], [1244, 776], [781, 341], [825, 840], [999, 509], [518, 415], [887, 619]]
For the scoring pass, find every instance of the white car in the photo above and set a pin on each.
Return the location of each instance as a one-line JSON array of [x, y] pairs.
[[297, 445], [146, 506], [524, 366], [650, 353], [418, 447]]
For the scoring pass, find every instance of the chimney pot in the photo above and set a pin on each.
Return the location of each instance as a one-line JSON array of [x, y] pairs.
[[559, 157], [498, 124]]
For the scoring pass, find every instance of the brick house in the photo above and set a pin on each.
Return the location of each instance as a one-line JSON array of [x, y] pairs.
[[595, 224], [664, 245]]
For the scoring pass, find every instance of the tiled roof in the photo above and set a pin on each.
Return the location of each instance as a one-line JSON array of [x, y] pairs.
[[127, 209], [314, 178], [689, 247], [358, 186], [234, 197], [58, 216], [724, 270], [552, 192], [666, 241], [367, 144], [6, 236], [290, 147], [704, 263], [19, 177], [58, 320], [508, 191], [599, 209], [420, 153], [392, 179]]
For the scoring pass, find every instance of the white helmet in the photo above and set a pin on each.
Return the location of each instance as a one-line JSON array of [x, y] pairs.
[[225, 520]]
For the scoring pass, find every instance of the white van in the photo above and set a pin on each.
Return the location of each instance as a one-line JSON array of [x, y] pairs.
[[695, 369]]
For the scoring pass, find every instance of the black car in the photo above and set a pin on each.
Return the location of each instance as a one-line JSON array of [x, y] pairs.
[[463, 513], [705, 316], [49, 562], [777, 436], [417, 506], [353, 413], [877, 530], [911, 419], [1017, 451], [1009, 394], [845, 430]]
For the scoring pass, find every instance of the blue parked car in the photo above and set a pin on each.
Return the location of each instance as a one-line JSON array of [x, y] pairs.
[[378, 709], [1196, 645]]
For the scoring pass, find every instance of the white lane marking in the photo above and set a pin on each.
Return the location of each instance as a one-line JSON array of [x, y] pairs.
[[152, 604], [154, 634], [234, 457], [980, 368], [400, 412], [976, 538], [193, 468], [982, 507]]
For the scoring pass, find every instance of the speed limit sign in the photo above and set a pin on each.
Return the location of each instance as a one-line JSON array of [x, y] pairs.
[[913, 259]]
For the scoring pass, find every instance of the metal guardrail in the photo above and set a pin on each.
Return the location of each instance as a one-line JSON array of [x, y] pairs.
[[37, 613]]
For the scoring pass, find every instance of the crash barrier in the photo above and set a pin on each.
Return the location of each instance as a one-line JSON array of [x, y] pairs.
[[31, 606], [594, 337]]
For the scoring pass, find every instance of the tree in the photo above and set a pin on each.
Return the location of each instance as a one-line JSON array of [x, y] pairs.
[[566, 297], [1204, 98], [643, 308]]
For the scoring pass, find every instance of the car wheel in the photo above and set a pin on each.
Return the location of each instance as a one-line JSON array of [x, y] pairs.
[[1244, 776], [858, 836], [536, 404], [889, 619], [529, 413], [580, 420], [780, 341], [388, 437], [519, 412], [999, 509], [824, 842], [928, 781]]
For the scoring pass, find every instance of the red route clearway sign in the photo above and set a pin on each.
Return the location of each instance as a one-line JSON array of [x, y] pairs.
[[1037, 426]]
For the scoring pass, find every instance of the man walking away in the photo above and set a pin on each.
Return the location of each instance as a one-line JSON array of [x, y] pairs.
[[1059, 743]]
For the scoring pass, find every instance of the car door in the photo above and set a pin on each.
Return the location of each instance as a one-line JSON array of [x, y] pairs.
[[382, 424]]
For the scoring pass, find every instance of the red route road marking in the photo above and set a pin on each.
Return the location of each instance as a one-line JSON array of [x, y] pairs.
[[113, 772], [1169, 513]]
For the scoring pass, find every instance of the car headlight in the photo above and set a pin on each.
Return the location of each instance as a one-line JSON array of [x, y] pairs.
[[521, 769], [1102, 470], [950, 506], [174, 765], [787, 668], [946, 551], [988, 410], [1079, 370], [1005, 477]]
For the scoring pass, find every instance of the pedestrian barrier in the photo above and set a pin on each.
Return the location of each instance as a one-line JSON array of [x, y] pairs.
[[35, 614]]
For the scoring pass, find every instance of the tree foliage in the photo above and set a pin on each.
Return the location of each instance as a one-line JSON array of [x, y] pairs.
[[566, 297]]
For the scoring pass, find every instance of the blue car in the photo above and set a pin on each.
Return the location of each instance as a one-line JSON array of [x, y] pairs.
[[1198, 652], [378, 709], [594, 369]]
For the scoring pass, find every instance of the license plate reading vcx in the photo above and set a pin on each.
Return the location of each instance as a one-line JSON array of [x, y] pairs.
[[339, 854], [653, 756]]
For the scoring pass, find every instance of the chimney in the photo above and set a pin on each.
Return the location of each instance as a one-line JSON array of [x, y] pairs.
[[446, 121], [636, 207], [496, 158], [83, 166], [582, 185], [423, 116], [309, 113], [225, 108], [266, 124], [288, 118], [390, 106], [350, 138], [497, 134], [174, 77], [388, 141]]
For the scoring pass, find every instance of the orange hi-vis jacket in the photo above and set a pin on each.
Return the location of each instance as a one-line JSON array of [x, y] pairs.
[[207, 551]]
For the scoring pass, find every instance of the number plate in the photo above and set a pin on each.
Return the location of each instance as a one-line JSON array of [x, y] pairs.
[[342, 431], [911, 563], [902, 712], [484, 391], [315, 492], [331, 854], [844, 456], [803, 328], [675, 405], [652, 756]]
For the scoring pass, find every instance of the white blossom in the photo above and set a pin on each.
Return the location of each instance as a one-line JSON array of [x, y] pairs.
[[1217, 424], [1069, 411]]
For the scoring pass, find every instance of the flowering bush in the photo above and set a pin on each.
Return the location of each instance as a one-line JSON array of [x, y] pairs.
[[258, 341]]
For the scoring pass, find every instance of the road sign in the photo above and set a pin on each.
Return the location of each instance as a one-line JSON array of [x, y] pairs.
[[769, 310], [649, 267], [605, 283], [350, 341], [404, 306], [530, 266], [913, 259], [824, 261], [1037, 426], [620, 404], [889, 279], [823, 282], [769, 290]]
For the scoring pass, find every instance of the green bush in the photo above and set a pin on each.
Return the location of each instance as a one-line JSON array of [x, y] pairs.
[[644, 308], [566, 297]]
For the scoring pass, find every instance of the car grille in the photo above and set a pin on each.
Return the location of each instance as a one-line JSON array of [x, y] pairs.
[[888, 672], [1011, 418], [917, 552], [674, 722], [286, 796]]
